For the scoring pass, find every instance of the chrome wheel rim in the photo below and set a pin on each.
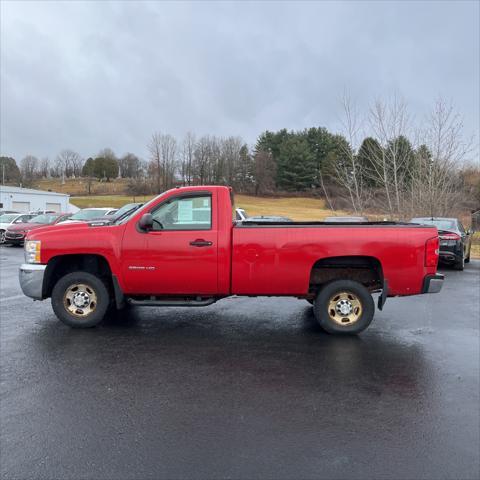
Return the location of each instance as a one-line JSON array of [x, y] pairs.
[[344, 308], [80, 300], [2, 237]]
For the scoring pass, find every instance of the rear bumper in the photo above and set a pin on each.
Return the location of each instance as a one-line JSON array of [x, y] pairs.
[[31, 280], [433, 283], [449, 256]]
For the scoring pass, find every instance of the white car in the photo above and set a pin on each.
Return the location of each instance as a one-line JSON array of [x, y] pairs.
[[88, 214], [8, 219], [240, 214]]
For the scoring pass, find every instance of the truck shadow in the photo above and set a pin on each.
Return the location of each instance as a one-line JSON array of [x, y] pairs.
[[241, 348]]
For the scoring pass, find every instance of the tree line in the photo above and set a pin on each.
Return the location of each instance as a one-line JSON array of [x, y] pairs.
[[396, 167]]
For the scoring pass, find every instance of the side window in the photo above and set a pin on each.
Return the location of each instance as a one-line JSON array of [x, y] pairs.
[[184, 213]]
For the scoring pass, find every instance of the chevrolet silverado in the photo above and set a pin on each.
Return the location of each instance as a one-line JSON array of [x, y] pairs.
[[183, 248]]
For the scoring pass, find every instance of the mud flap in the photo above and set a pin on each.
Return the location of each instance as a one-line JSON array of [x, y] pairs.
[[383, 296]]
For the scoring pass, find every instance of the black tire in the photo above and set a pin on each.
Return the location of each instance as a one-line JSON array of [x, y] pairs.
[[460, 264], [96, 290], [310, 301], [359, 295]]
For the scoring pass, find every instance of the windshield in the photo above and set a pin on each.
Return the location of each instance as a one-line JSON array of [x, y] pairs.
[[88, 214], [44, 219], [440, 224], [8, 218], [126, 208]]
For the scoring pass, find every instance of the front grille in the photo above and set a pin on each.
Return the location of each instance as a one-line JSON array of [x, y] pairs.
[[14, 236]]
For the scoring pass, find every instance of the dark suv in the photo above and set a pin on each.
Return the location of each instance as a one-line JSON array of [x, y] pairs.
[[455, 241]]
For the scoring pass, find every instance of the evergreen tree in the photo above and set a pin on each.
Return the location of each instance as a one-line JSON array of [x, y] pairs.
[[369, 158], [9, 171], [296, 165]]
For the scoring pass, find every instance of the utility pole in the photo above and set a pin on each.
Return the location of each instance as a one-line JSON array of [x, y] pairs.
[[3, 173]]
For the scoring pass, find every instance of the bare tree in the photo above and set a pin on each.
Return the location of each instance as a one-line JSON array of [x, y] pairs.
[[163, 148], [436, 183], [44, 168], [230, 152], [187, 158], [29, 169], [129, 166], [348, 171], [201, 158], [69, 163], [265, 173], [390, 165]]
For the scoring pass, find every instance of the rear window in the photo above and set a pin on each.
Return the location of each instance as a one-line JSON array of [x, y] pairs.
[[440, 224]]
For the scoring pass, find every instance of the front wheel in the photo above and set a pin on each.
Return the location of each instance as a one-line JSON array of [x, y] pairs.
[[2, 236], [80, 299], [344, 307]]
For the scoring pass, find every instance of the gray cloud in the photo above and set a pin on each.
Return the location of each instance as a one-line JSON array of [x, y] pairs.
[[96, 74]]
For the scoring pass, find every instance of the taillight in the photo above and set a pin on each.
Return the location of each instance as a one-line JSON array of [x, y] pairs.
[[431, 252], [449, 236]]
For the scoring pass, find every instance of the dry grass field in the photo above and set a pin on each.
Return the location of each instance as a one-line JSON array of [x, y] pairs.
[[296, 208], [79, 186]]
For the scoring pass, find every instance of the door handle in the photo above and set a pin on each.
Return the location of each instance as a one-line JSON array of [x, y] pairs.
[[200, 243]]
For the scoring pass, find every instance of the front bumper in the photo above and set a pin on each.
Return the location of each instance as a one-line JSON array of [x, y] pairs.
[[433, 283], [15, 238], [31, 280]]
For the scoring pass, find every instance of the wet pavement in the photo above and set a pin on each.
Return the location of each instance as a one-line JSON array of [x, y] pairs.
[[245, 388]]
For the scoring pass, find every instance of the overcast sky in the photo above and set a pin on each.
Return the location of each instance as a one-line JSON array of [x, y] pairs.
[[89, 75]]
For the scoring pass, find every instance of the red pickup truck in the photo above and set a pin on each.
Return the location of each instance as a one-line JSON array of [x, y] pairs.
[[183, 248]]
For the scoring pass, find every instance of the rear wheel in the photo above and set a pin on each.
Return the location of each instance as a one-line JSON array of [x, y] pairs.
[[80, 299], [459, 264], [344, 307]]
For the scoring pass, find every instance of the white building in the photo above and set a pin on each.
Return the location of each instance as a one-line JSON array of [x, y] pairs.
[[28, 200]]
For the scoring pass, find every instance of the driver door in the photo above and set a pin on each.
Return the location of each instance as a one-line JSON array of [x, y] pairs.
[[179, 255]]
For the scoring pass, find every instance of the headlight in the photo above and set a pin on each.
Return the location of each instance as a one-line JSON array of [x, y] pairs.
[[32, 251]]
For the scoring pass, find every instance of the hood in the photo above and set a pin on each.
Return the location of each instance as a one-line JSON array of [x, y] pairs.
[[80, 227], [26, 227]]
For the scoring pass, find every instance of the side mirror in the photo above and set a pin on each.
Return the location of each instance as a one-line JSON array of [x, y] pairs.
[[146, 222]]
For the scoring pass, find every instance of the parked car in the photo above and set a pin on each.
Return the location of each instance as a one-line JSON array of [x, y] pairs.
[[181, 249], [3, 212], [242, 216], [121, 213], [346, 219], [16, 233], [8, 219], [41, 212], [455, 241], [90, 214]]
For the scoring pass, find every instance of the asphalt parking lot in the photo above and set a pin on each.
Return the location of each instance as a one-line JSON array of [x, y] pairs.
[[245, 388]]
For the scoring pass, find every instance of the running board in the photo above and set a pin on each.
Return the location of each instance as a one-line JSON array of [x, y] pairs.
[[187, 302]]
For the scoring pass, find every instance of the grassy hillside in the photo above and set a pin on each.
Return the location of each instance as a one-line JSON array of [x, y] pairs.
[[297, 208], [79, 186]]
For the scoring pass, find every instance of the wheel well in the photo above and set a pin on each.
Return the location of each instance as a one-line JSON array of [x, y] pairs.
[[59, 266], [363, 269]]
